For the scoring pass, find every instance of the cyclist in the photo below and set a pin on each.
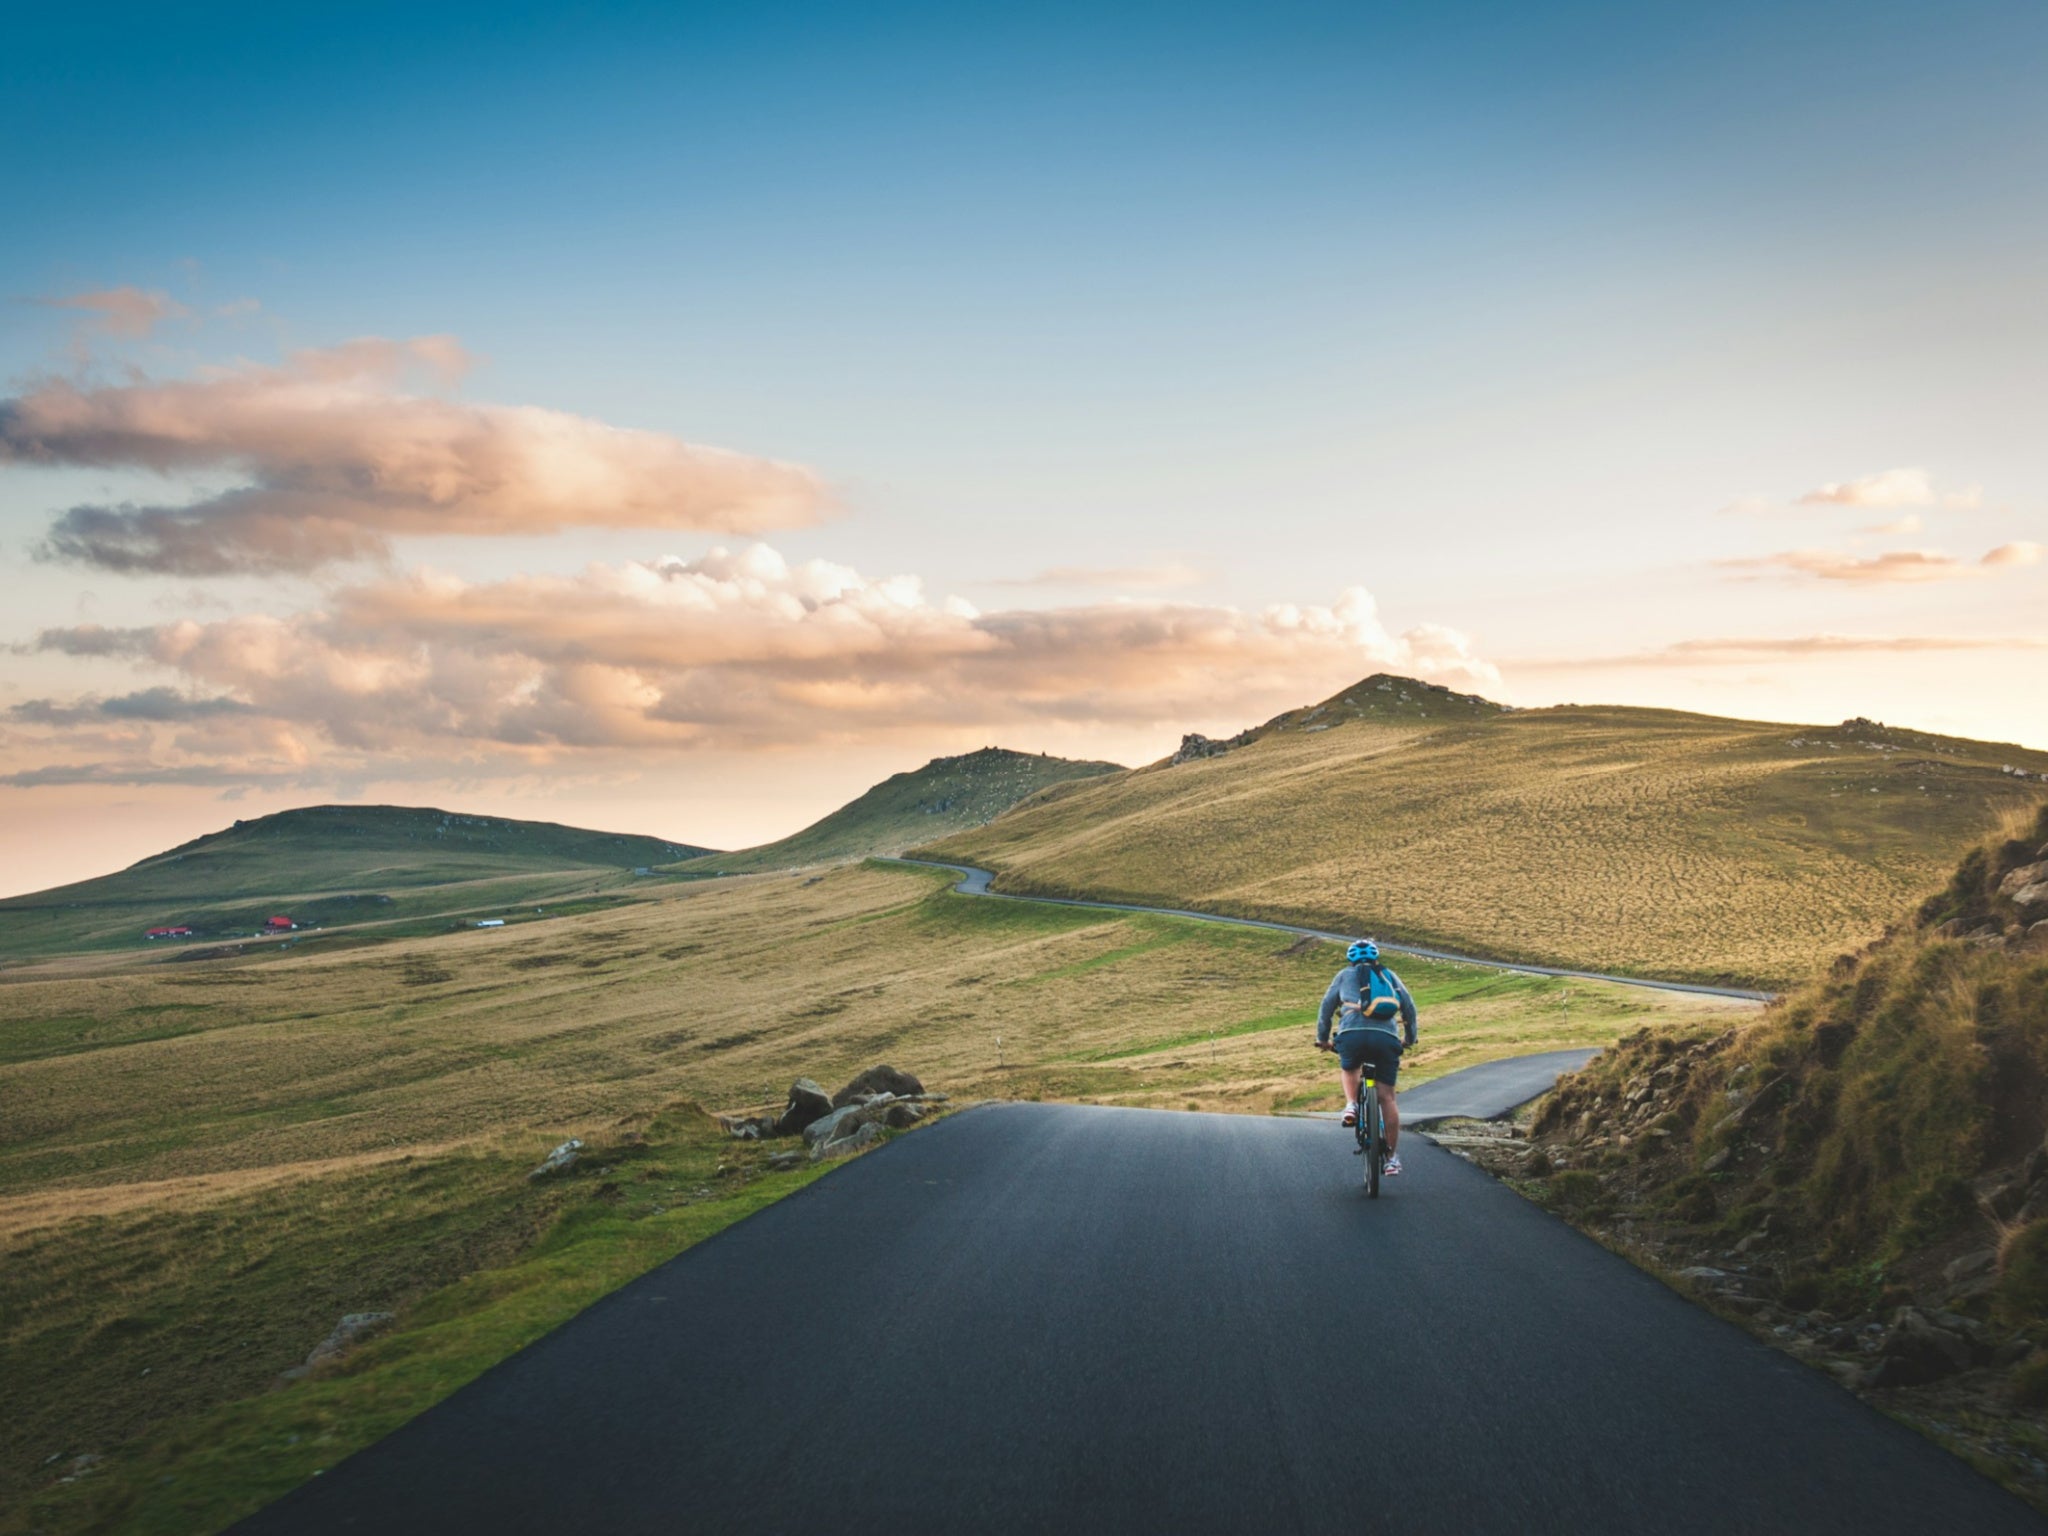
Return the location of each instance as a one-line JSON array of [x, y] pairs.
[[1367, 999]]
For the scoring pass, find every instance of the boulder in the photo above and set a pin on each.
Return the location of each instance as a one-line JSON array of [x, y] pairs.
[[822, 1130], [1917, 1350], [351, 1328], [807, 1103], [865, 1135], [879, 1079], [1983, 1262], [558, 1161], [346, 1332], [2027, 884], [901, 1113]]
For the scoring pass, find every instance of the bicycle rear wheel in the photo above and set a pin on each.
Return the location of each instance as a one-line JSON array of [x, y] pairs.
[[1375, 1140]]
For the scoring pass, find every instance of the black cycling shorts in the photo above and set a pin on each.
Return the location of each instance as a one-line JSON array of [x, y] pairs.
[[1373, 1049]]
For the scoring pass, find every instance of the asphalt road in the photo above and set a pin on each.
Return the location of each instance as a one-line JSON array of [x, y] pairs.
[[1056, 1318], [1489, 1090], [976, 882]]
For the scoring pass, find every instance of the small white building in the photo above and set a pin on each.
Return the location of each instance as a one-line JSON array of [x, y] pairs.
[[491, 922]]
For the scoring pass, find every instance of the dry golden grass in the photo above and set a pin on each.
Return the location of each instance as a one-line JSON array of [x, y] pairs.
[[1625, 840], [721, 995]]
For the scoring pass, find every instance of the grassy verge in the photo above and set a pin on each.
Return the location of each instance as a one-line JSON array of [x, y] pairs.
[[547, 1252], [1861, 1176]]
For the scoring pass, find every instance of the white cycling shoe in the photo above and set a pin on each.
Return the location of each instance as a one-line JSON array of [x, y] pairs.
[[1351, 1114], [1392, 1165]]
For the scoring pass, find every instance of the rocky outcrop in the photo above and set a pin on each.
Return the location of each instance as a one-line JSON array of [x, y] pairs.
[[2026, 886], [878, 1079], [807, 1103], [560, 1160], [883, 1098], [353, 1327], [863, 1136]]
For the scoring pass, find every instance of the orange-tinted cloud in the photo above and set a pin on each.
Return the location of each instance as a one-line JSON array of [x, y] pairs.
[[2021, 552], [340, 456], [736, 650], [1748, 650], [125, 311], [1897, 565]]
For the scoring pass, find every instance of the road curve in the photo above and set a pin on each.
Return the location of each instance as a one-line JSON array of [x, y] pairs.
[[1035, 1318], [975, 882]]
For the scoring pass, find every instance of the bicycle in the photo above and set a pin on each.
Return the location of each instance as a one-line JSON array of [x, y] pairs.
[[1370, 1130]]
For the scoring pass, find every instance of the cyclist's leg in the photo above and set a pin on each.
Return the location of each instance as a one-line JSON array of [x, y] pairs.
[[1387, 1062], [1348, 1077]]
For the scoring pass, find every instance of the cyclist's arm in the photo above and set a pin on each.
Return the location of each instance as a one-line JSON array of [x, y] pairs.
[[1407, 1012], [1323, 1015]]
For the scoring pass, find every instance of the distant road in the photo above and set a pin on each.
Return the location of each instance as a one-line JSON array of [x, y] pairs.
[[975, 882], [1055, 1318]]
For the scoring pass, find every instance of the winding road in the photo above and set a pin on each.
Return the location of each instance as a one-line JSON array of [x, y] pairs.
[[977, 882], [1050, 1318]]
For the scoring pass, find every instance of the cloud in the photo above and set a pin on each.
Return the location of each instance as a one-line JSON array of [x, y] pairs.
[[1126, 578], [125, 311], [2022, 552], [1896, 565], [1746, 651], [1892, 488], [1898, 526], [150, 704], [737, 650], [339, 456], [1893, 566]]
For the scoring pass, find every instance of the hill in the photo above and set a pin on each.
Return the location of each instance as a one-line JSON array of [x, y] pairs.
[[1629, 840], [1861, 1175], [323, 865], [947, 794]]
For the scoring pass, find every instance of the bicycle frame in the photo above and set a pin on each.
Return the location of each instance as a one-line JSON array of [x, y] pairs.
[[1372, 1139]]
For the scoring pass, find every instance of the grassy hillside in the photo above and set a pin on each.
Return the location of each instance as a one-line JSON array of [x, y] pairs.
[[329, 865], [1874, 1144], [1630, 840], [203, 1166], [946, 795]]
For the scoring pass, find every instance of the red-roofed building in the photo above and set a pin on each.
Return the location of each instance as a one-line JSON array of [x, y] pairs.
[[170, 933], [278, 925]]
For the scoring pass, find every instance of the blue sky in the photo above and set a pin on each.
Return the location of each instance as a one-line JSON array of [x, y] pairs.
[[1492, 309]]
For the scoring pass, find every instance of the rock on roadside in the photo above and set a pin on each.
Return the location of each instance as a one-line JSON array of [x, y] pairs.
[[864, 1135], [353, 1326], [807, 1103], [562, 1158], [878, 1079]]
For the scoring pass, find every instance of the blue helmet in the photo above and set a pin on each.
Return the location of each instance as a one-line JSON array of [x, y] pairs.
[[1362, 949]]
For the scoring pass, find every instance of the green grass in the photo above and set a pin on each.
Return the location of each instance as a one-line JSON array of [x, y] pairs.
[[946, 795], [1634, 841], [259, 1272]]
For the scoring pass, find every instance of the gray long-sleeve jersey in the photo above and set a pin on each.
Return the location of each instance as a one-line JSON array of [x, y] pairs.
[[1343, 1000]]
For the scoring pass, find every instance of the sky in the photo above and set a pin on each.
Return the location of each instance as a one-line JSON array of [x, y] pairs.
[[676, 418]]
